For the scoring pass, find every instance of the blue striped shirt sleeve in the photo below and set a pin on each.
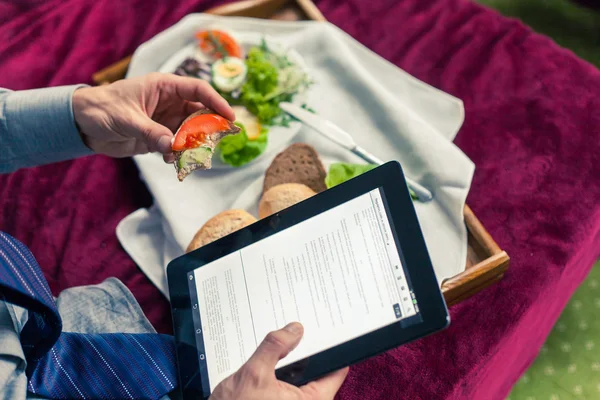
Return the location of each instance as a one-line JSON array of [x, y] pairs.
[[37, 127]]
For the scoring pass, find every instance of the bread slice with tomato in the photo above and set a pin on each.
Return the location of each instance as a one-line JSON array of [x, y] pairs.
[[196, 139]]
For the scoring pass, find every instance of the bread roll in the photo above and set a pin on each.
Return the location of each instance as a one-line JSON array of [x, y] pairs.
[[299, 163], [220, 225], [283, 196]]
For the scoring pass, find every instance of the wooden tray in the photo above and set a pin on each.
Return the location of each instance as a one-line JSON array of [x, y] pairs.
[[486, 262]]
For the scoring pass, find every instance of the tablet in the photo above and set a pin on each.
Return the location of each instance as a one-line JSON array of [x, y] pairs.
[[349, 263]]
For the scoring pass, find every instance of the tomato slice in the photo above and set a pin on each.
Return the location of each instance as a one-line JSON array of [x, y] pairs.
[[215, 43], [193, 132]]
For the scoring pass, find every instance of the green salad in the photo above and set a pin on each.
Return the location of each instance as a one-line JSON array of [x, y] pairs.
[[271, 78], [237, 150], [342, 172], [254, 83]]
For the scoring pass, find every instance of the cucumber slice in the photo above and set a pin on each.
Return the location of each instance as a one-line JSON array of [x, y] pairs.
[[194, 156]]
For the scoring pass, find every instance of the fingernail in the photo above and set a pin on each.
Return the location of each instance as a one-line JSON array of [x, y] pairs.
[[294, 328], [164, 144]]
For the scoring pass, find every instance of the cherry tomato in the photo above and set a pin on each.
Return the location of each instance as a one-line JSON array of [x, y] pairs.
[[214, 43]]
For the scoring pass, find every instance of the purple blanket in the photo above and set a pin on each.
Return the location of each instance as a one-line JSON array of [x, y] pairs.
[[532, 129]]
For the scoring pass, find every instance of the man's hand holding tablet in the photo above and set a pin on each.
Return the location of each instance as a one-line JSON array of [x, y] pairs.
[[256, 379], [350, 264]]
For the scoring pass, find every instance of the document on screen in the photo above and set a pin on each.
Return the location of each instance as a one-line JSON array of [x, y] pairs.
[[339, 274]]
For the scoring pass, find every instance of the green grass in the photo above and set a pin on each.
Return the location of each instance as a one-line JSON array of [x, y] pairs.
[[568, 24], [568, 366]]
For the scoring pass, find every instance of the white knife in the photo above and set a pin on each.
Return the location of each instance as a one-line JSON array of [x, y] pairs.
[[342, 138]]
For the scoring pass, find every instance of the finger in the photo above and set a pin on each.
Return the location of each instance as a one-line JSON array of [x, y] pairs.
[[169, 158], [327, 386], [140, 147], [197, 90], [191, 107], [173, 120], [275, 346], [156, 136]]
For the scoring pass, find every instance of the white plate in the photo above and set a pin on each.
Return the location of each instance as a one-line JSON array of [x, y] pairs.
[[278, 135], [248, 200]]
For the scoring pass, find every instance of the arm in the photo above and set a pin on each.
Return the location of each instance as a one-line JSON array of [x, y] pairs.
[[37, 127], [128, 117]]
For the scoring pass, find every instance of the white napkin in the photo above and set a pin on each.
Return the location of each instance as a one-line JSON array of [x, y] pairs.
[[387, 111]]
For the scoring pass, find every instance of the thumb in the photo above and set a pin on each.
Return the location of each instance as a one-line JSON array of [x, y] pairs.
[[156, 136], [275, 346]]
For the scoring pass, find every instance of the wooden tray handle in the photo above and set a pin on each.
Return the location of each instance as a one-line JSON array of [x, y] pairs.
[[248, 8], [112, 73], [475, 279], [484, 273], [479, 232]]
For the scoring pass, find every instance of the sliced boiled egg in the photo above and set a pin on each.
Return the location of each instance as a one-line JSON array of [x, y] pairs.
[[229, 73], [249, 120]]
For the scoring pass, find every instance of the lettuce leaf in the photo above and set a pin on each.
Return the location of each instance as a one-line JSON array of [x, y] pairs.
[[270, 80], [342, 172], [237, 150], [262, 79]]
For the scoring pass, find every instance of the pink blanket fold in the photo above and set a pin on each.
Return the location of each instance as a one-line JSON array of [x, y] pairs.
[[532, 129]]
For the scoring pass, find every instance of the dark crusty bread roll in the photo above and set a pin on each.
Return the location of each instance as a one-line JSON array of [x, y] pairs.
[[299, 163]]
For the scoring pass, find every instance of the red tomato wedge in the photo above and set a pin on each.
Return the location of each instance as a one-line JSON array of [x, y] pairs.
[[215, 43], [193, 132]]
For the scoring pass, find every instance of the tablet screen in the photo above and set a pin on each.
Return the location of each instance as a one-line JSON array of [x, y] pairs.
[[339, 273]]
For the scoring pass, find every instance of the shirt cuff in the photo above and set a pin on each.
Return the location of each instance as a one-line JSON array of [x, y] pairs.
[[41, 127]]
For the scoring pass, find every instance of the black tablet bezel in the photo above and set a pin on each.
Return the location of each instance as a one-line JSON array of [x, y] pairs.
[[409, 240]]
